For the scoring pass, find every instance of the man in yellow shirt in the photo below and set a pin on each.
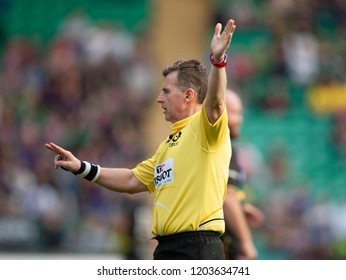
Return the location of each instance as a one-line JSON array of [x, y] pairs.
[[188, 173]]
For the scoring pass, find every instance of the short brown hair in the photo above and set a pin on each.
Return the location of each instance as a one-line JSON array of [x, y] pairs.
[[190, 74]]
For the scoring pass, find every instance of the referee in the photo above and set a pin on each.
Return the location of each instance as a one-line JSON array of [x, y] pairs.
[[188, 172]]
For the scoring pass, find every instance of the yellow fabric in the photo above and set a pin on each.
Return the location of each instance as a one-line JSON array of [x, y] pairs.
[[240, 195], [238, 192], [188, 175]]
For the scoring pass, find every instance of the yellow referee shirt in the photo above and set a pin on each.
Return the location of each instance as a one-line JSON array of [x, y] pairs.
[[188, 175]]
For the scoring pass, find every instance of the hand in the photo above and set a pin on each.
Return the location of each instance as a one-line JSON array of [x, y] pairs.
[[221, 41], [64, 159], [247, 251], [253, 215]]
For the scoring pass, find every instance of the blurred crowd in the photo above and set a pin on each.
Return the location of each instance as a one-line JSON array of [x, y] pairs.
[[299, 42], [88, 91], [301, 222], [297, 61]]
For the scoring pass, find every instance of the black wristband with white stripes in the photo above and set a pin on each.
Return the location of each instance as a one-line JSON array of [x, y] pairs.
[[89, 171]]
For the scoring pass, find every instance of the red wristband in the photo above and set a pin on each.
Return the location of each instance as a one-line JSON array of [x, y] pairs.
[[219, 64]]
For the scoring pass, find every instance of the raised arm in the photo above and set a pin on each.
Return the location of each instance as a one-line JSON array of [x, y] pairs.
[[114, 179], [215, 99]]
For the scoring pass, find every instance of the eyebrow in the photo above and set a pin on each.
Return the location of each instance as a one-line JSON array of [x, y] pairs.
[[165, 89]]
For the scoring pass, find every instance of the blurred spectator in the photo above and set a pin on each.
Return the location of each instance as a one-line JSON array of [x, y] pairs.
[[301, 54], [75, 26], [107, 41], [244, 12]]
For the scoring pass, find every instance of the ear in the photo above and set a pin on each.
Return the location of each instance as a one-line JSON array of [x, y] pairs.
[[189, 95]]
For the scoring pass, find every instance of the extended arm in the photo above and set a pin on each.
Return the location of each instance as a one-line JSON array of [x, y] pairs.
[[114, 179], [215, 99]]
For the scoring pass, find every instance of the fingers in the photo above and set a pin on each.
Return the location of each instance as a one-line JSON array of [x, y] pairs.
[[55, 148], [221, 40], [254, 215], [60, 157], [228, 30], [56, 161], [50, 147], [255, 222], [230, 26], [217, 30], [62, 154]]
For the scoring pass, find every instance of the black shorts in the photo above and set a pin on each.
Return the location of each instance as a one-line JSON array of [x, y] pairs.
[[193, 245]]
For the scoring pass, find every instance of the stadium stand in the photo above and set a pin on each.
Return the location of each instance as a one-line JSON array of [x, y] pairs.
[[290, 120]]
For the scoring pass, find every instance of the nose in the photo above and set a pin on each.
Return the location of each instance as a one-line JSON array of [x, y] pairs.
[[159, 99]]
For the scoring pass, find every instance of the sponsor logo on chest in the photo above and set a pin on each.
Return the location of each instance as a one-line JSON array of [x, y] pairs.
[[163, 173]]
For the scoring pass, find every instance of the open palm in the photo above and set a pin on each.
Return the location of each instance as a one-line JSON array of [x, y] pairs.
[[222, 40]]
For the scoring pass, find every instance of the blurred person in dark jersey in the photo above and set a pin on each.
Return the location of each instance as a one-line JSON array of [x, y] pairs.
[[240, 216], [188, 173]]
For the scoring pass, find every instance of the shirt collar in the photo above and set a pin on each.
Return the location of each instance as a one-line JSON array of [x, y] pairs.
[[179, 125]]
